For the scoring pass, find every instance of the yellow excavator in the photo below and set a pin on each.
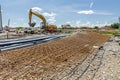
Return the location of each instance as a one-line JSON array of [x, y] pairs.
[[45, 26]]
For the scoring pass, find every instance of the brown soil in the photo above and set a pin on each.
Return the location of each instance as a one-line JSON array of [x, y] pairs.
[[44, 59]]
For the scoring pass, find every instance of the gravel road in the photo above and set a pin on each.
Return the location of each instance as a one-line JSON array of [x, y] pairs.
[[110, 68]]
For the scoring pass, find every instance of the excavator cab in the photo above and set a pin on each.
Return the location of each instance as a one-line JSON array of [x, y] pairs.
[[42, 25]]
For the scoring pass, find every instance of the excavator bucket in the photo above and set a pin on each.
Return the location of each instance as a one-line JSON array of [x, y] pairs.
[[32, 24]]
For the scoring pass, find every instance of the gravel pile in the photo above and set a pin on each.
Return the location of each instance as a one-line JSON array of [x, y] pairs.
[[110, 68]]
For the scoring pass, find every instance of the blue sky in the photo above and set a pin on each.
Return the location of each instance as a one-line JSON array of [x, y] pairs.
[[74, 12]]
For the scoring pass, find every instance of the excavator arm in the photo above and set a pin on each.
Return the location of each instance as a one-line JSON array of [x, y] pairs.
[[36, 14], [45, 26]]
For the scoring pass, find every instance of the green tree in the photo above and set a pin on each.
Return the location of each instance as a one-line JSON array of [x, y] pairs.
[[115, 25], [18, 28], [95, 27]]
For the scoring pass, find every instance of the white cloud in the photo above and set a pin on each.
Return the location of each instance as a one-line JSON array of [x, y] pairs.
[[77, 23], [94, 12], [68, 22], [51, 17], [91, 4], [25, 25], [14, 23], [49, 14], [88, 23], [37, 9], [86, 12], [106, 23]]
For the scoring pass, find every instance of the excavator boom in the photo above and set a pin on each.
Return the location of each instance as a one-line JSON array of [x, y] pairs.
[[36, 14]]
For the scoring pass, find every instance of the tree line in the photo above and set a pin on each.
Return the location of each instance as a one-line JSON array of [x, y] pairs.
[[115, 25]]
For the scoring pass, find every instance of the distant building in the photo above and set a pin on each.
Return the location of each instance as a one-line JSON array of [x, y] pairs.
[[66, 26]]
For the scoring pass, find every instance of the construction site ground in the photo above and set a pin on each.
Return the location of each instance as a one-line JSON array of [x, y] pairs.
[[81, 56]]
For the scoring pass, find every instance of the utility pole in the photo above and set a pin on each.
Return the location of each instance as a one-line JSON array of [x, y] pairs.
[[119, 24], [1, 27], [8, 22]]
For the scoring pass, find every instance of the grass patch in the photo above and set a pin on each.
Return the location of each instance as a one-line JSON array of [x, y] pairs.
[[109, 33], [117, 34]]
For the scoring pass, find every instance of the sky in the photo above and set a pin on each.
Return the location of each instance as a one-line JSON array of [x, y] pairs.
[[59, 12]]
